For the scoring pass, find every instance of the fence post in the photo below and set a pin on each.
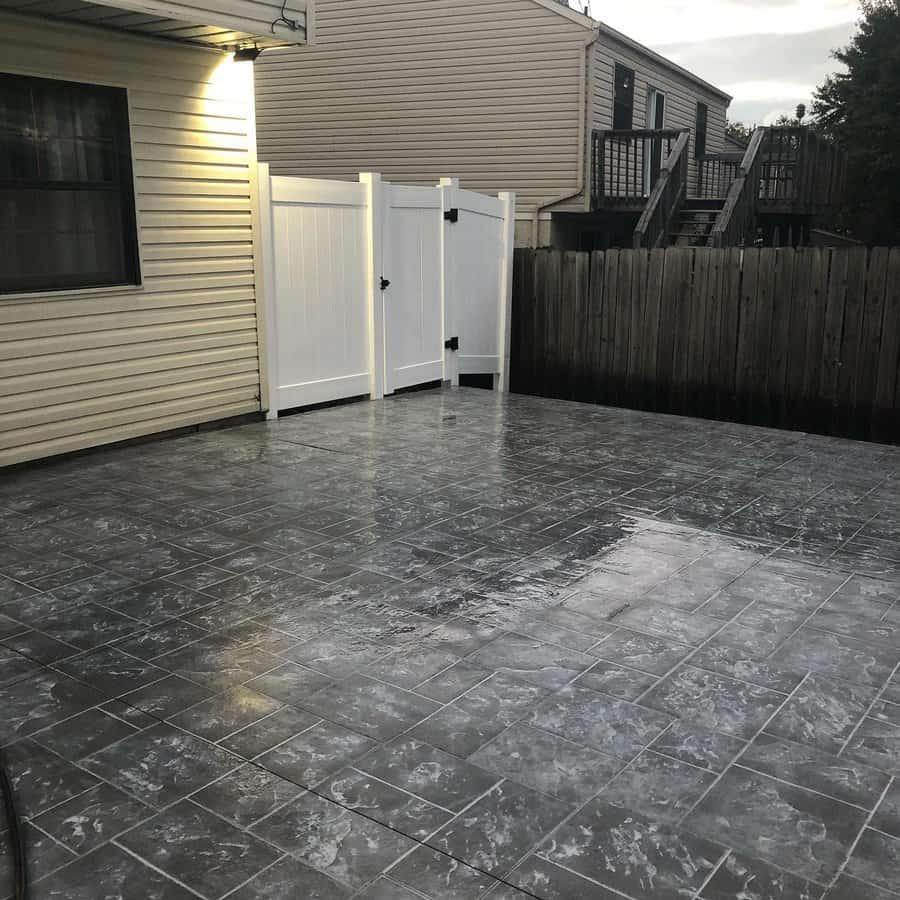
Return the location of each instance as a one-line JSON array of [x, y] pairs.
[[266, 309], [501, 380], [449, 312], [375, 202]]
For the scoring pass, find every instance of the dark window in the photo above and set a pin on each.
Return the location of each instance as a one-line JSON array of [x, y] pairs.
[[623, 105], [66, 192], [700, 133]]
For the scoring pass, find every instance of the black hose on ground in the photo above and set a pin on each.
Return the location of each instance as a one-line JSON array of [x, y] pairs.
[[15, 833]]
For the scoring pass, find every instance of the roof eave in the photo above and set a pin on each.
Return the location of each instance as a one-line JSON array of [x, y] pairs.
[[571, 14], [608, 30], [602, 28]]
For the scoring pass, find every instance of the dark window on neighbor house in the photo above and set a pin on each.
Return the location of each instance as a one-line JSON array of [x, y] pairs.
[[623, 102], [700, 132], [66, 193]]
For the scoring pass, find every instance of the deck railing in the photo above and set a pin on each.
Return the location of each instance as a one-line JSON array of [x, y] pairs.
[[716, 174], [736, 223], [666, 197], [788, 170], [625, 165], [802, 172]]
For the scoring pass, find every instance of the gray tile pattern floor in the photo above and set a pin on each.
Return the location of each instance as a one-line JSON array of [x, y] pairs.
[[453, 646]]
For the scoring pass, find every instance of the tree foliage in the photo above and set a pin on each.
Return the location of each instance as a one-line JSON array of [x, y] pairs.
[[860, 109], [739, 131]]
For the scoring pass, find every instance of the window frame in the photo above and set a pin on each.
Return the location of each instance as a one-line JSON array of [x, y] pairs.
[[659, 94], [126, 189], [621, 104], [700, 147]]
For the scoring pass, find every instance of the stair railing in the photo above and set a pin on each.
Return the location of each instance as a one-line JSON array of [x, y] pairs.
[[736, 223], [716, 174], [666, 197]]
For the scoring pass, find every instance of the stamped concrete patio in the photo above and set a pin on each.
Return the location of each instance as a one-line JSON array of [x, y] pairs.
[[455, 646]]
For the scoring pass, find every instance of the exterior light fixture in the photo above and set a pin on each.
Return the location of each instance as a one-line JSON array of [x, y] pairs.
[[246, 54]]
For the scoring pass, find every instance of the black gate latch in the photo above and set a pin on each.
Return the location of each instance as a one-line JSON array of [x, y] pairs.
[[451, 215], [452, 344], [385, 284]]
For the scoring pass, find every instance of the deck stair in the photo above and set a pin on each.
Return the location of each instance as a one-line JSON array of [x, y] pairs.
[[694, 222]]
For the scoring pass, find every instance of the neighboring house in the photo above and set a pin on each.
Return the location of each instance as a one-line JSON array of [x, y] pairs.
[[735, 144], [128, 285], [504, 94]]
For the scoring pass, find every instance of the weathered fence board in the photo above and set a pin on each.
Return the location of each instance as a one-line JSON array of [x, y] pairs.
[[870, 340], [806, 338], [731, 294], [887, 389], [781, 324], [649, 345], [595, 346], [850, 363], [815, 337]]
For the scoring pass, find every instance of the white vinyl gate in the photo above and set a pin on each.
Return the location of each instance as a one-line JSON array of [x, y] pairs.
[[477, 257], [413, 307], [366, 283]]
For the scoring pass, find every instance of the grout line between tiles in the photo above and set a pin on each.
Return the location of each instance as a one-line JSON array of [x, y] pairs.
[[165, 875], [846, 861], [741, 752], [871, 706], [698, 894]]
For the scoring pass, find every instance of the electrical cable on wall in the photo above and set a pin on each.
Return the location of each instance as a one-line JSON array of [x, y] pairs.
[[282, 19], [15, 834]]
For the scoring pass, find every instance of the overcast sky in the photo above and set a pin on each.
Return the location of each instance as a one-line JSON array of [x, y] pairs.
[[769, 54]]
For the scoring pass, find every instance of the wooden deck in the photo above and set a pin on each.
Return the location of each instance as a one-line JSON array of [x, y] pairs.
[[626, 166], [802, 173], [787, 171]]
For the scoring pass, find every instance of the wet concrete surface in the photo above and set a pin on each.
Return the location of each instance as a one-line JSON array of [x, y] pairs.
[[454, 645]]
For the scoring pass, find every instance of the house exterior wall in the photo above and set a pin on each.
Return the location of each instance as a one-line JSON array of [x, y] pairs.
[[682, 96], [83, 368], [491, 91], [501, 93]]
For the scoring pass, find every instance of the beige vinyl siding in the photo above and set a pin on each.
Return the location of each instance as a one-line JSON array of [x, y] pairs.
[[82, 368], [682, 96], [486, 90]]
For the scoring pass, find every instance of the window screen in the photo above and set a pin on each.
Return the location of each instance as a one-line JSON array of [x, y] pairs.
[[66, 194], [623, 105], [700, 133]]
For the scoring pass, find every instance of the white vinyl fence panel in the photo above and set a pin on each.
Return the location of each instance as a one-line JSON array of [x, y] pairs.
[[366, 282], [318, 338]]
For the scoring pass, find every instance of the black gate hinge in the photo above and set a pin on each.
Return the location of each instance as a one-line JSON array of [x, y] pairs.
[[385, 284], [452, 344], [451, 215]]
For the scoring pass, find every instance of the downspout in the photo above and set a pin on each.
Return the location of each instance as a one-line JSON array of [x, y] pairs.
[[586, 90]]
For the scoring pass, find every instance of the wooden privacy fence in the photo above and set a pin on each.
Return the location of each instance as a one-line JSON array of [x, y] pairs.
[[806, 339]]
